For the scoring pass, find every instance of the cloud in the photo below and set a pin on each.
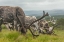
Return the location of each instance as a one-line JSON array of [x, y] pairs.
[[34, 4], [44, 5]]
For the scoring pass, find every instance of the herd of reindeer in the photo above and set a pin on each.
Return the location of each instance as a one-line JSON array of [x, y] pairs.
[[14, 18]]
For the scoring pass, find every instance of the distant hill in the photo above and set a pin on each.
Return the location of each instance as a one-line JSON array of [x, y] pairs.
[[40, 12], [55, 17]]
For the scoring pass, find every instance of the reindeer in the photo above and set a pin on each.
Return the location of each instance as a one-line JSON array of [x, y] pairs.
[[10, 15], [44, 27], [52, 20], [33, 21], [18, 16]]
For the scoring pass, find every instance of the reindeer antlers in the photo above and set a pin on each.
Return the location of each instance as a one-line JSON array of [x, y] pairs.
[[45, 14], [38, 20]]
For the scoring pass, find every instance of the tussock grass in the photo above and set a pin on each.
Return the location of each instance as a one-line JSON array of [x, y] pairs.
[[13, 36]]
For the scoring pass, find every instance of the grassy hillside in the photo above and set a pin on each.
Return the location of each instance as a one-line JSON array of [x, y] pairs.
[[13, 36]]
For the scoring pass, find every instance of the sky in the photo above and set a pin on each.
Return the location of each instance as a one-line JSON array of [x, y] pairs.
[[34, 4]]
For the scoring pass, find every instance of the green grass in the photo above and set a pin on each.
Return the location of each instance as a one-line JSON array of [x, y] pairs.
[[13, 36]]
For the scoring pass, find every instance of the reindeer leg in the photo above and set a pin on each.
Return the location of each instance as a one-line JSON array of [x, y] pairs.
[[15, 24], [1, 21], [0, 28]]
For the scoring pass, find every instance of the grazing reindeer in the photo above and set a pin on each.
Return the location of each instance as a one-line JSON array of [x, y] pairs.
[[15, 15], [32, 21], [45, 28], [10, 14], [52, 20]]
